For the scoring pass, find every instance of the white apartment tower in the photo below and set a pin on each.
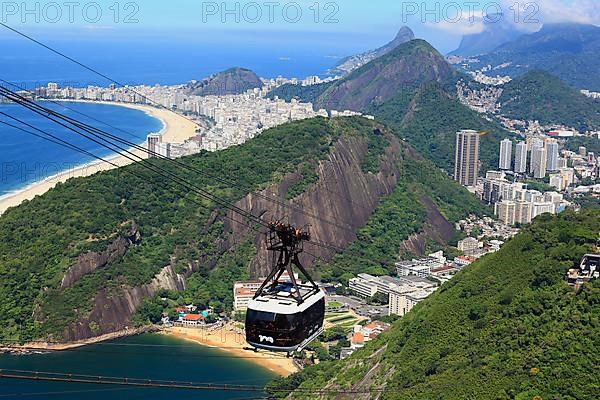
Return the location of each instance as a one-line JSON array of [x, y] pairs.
[[536, 143], [505, 154], [539, 159], [521, 158], [552, 155], [153, 141], [466, 167]]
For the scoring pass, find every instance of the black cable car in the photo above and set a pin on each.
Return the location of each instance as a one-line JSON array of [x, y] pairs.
[[285, 316]]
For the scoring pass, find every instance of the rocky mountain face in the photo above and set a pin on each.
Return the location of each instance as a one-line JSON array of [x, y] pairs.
[[336, 206], [406, 67], [112, 311], [349, 64], [341, 185], [568, 51], [232, 81], [496, 32]]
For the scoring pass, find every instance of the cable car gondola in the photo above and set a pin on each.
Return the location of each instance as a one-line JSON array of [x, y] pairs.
[[285, 316]]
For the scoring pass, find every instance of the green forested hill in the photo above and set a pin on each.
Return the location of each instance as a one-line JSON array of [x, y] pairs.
[[506, 327], [42, 238], [429, 118], [540, 96], [306, 94], [412, 90]]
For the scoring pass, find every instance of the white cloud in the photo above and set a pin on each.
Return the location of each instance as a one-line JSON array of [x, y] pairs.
[[527, 16], [464, 25], [551, 11]]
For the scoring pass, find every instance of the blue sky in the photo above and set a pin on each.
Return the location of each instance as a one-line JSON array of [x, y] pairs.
[[369, 22]]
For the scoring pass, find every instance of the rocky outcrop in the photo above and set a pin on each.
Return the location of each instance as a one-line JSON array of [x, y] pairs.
[[233, 81], [335, 207], [112, 310], [91, 261], [349, 64], [436, 228]]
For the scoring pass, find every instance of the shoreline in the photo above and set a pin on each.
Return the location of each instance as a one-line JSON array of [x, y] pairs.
[[230, 339], [175, 129], [48, 346]]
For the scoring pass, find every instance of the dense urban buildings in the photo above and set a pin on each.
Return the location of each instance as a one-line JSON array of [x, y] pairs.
[[224, 121], [466, 168]]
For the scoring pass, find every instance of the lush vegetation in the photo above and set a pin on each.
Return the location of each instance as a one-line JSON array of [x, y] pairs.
[[592, 144], [567, 50], [398, 216], [42, 238], [540, 96], [305, 94], [506, 327], [429, 119]]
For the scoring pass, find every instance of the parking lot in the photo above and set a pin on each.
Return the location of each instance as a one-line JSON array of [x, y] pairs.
[[359, 306]]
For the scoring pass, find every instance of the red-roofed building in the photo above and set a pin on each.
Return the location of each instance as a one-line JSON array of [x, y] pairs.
[[357, 341], [463, 261], [192, 319]]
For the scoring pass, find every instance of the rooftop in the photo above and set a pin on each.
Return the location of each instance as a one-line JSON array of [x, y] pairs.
[[193, 317]]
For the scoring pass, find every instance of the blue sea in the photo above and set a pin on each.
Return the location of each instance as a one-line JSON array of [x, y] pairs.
[[152, 58], [26, 159], [172, 59], [145, 357]]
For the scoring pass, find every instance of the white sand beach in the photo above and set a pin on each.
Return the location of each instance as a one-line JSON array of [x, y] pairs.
[[231, 339], [176, 129]]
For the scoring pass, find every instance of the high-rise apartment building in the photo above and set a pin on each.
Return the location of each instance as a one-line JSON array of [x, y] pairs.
[[539, 159], [521, 158], [505, 154], [552, 155], [466, 168]]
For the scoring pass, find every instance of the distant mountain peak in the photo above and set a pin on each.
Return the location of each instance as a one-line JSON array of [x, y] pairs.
[[405, 34], [406, 66], [349, 64], [497, 31]]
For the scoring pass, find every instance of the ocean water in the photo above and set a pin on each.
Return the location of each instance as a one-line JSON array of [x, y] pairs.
[[26, 159], [149, 59], [159, 357], [172, 59]]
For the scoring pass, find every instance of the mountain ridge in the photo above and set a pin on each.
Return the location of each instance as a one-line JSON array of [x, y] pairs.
[[349, 64], [407, 66], [567, 50], [496, 32]]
